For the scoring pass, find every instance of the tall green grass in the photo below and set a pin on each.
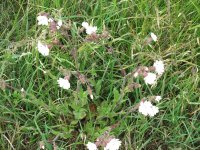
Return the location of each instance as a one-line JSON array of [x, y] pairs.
[[46, 111]]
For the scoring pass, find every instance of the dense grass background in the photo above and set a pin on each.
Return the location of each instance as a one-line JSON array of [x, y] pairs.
[[47, 111]]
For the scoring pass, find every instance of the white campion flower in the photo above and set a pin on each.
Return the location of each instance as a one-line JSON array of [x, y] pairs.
[[91, 146], [114, 144], [150, 78], [89, 29], [63, 83], [42, 20], [154, 37], [158, 98], [59, 24], [85, 24], [43, 49], [159, 67], [146, 108]]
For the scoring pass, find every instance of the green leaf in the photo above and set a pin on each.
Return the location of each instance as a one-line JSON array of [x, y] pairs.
[[116, 95], [98, 87], [79, 114], [83, 97]]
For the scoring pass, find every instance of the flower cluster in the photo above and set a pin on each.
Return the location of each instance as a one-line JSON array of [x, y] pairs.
[[149, 74], [44, 20], [53, 25], [89, 29], [64, 83], [146, 108]]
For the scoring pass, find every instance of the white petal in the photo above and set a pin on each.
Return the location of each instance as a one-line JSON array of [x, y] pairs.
[[146, 108], [136, 74], [114, 144], [158, 98], [63, 83], [91, 146], [50, 20], [90, 30], [43, 49], [91, 96], [59, 23], [150, 78], [159, 67], [42, 20], [85, 24], [153, 36], [22, 89]]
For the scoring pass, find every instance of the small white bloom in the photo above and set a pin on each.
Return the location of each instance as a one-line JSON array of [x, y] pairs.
[[150, 78], [59, 24], [22, 89], [89, 29], [154, 111], [85, 24], [42, 20], [159, 66], [50, 20], [114, 144], [146, 108], [91, 96], [64, 83], [136, 74], [91, 146], [158, 98], [43, 49], [154, 37]]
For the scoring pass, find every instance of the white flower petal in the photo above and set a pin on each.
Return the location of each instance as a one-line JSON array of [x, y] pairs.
[[150, 78], [22, 90], [85, 24], [50, 20], [91, 146], [43, 49], [90, 30], [158, 98], [114, 144], [59, 23], [159, 67], [154, 37], [146, 108], [136, 74], [63, 83], [91, 96], [42, 20]]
